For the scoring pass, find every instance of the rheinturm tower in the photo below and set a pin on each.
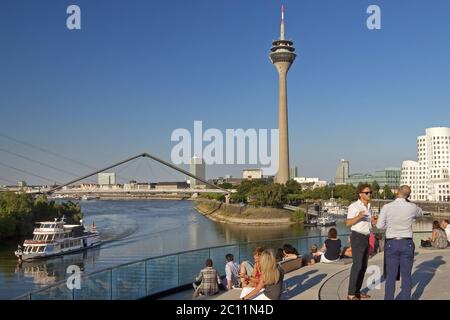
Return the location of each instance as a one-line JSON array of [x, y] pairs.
[[282, 56]]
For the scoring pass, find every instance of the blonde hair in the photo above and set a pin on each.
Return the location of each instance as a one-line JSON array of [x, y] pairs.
[[269, 268]]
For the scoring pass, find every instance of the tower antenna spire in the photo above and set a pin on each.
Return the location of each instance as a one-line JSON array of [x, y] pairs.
[[282, 37]]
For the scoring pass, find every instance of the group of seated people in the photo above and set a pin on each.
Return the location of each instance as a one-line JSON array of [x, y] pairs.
[[288, 252], [440, 235], [262, 279], [330, 252]]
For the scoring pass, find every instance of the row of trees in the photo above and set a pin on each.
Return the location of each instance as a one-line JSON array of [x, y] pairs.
[[263, 193], [19, 212]]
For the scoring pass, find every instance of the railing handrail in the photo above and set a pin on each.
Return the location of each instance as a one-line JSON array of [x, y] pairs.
[[184, 252]]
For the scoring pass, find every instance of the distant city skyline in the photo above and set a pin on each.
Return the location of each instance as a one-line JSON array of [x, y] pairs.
[[136, 72]]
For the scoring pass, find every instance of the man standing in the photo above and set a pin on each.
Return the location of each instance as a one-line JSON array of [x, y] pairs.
[[397, 218], [359, 219]]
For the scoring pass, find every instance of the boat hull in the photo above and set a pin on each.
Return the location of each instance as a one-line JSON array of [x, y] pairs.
[[90, 241]]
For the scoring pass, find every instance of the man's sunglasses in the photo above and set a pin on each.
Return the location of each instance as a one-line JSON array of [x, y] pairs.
[[367, 193]]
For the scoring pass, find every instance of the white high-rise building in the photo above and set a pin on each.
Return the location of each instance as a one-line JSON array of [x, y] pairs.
[[342, 172], [197, 169], [429, 177], [410, 176], [107, 178]]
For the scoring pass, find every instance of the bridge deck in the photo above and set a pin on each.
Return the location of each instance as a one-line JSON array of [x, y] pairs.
[[430, 276]]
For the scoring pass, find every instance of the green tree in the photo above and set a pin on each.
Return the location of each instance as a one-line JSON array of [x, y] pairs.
[[213, 196], [244, 189], [375, 188], [226, 185], [269, 195], [387, 193], [298, 216], [346, 192], [19, 212], [294, 198], [293, 187]]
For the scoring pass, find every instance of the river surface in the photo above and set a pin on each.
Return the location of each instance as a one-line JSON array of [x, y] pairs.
[[133, 230]]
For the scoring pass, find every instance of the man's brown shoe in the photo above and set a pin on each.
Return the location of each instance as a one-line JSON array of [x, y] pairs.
[[352, 298], [362, 295]]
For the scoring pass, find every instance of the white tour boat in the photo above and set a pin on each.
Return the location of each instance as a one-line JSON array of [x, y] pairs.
[[326, 221], [57, 238]]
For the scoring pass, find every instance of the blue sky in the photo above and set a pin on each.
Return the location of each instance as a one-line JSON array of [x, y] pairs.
[[140, 69]]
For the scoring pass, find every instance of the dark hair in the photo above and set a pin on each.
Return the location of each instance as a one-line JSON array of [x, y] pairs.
[[332, 233], [446, 221], [280, 254], [209, 263], [229, 257], [436, 224], [289, 249], [361, 187]]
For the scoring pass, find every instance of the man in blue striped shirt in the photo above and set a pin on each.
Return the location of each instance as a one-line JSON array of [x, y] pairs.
[[232, 272]]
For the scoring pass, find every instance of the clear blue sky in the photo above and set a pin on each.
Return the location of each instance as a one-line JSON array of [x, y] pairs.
[[140, 69]]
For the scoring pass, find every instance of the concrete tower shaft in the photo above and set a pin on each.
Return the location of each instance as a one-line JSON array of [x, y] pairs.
[[282, 56]]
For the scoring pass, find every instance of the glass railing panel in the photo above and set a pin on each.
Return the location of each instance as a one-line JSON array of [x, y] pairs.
[[161, 274], [218, 257], [96, 286], [56, 292], [304, 244], [190, 264], [128, 282]]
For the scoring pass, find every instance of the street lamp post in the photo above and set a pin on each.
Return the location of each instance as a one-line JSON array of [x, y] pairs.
[[331, 185]]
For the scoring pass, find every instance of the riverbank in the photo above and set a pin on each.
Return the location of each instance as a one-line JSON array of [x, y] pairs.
[[243, 215]]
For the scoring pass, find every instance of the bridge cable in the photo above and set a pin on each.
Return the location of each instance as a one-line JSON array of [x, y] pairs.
[[52, 153], [27, 172], [46, 151], [39, 162]]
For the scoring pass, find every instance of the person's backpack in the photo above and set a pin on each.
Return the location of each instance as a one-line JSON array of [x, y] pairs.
[[425, 243]]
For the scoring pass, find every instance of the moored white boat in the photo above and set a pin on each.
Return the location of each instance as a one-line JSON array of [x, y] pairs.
[[53, 238], [326, 221]]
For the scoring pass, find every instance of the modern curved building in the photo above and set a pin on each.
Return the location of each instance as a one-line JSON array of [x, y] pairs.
[[429, 176]]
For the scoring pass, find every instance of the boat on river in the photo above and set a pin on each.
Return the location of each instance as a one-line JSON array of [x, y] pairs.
[[52, 238], [326, 221]]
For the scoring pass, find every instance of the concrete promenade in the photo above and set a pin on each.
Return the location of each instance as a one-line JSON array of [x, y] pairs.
[[430, 276]]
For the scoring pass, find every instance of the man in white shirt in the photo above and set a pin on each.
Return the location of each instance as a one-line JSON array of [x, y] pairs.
[[446, 226], [359, 221]]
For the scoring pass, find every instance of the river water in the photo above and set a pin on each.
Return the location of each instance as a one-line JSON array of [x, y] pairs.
[[133, 230]]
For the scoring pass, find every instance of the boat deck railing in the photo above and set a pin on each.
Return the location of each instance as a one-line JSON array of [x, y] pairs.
[[156, 275]]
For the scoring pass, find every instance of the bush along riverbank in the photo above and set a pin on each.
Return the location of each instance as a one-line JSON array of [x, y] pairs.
[[20, 212], [246, 214]]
